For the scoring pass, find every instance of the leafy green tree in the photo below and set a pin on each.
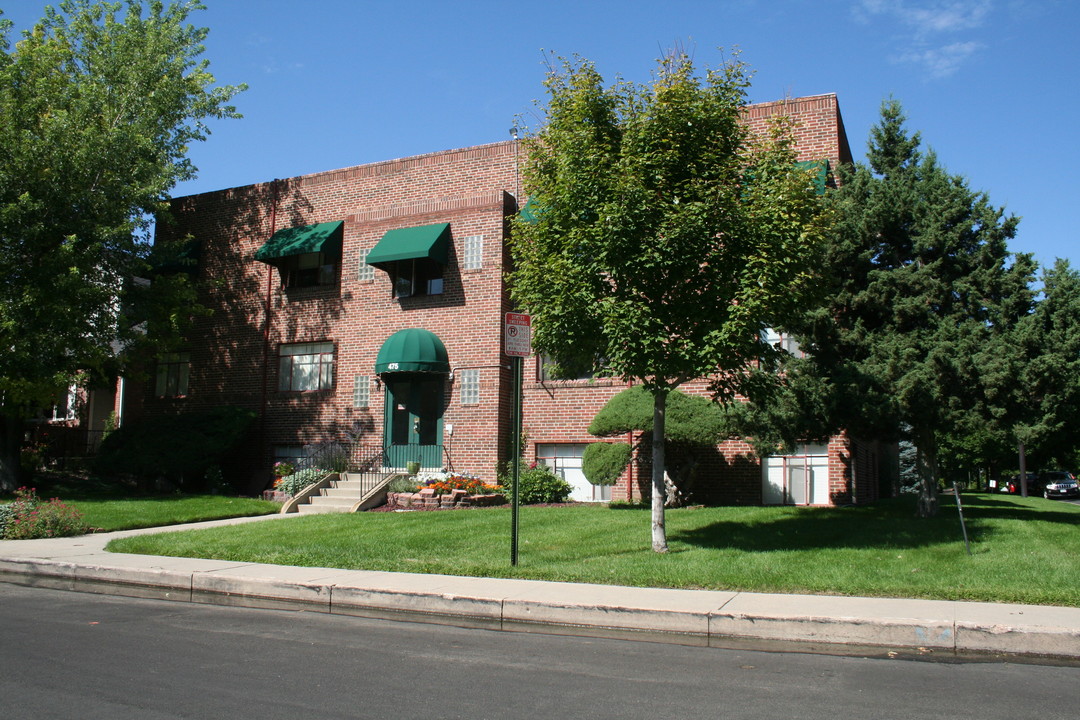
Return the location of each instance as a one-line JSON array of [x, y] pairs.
[[99, 106], [923, 276], [664, 236]]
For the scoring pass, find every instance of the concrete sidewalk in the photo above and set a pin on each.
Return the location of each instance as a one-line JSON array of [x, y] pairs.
[[811, 623]]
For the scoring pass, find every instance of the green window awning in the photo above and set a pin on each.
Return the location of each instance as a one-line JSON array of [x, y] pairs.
[[412, 350], [820, 169], [322, 237], [426, 241]]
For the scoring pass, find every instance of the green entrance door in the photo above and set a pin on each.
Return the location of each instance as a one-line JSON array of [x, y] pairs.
[[413, 422]]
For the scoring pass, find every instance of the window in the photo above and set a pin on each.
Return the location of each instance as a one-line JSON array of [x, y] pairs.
[[470, 387], [365, 272], [66, 405], [172, 375], [361, 391], [306, 366], [308, 270], [474, 252], [786, 343], [417, 277], [545, 366], [296, 455]]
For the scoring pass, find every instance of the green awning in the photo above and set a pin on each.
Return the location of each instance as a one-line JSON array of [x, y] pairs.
[[426, 241], [323, 237], [531, 212], [412, 350], [821, 173]]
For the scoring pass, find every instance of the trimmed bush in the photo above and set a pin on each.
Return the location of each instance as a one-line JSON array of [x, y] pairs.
[[603, 463]]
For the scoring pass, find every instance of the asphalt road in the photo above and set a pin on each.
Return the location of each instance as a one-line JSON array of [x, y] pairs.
[[73, 655]]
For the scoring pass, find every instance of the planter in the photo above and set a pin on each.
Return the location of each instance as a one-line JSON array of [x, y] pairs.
[[427, 499], [276, 496]]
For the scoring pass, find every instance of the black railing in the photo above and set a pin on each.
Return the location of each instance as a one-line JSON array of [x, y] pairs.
[[357, 457]]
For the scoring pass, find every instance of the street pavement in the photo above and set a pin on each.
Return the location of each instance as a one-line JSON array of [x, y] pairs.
[[808, 623]]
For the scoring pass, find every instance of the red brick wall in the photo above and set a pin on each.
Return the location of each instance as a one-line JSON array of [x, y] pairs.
[[234, 350]]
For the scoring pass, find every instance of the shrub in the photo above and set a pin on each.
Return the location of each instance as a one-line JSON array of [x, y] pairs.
[[293, 484], [402, 485], [178, 447], [7, 514], [603, 463], [28, 517], [538, 485]]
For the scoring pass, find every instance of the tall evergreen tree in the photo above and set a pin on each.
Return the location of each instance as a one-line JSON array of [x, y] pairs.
[[920, 275], [1032, 376]]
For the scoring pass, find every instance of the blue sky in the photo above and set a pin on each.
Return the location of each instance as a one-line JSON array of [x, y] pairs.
[[990, 84]]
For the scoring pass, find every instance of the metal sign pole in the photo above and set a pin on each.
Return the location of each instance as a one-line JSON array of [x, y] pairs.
[[960, 509], [517, 343], [516, 435]]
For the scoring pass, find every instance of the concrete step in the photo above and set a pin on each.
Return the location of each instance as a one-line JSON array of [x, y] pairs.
[[327, 501], [354, 485], [338, 492], [318, 509]]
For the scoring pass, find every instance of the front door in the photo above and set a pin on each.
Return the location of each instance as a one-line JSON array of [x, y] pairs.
[[413, 423]]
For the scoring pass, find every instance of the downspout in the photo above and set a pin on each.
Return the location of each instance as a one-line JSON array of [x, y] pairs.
[[267, 318]]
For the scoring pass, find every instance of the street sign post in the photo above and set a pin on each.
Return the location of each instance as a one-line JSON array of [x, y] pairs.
[[517, 335], [517, 343]]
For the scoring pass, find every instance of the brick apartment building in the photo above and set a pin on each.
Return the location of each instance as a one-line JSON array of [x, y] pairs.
[[369, 302]]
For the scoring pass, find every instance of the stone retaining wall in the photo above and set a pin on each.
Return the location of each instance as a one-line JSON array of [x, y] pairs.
[[455, 499]]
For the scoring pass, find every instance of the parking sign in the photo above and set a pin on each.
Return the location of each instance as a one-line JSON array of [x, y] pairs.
[[517, 335]]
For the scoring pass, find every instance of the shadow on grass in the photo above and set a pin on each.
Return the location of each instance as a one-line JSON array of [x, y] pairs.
[[989, 507], [888, 524]]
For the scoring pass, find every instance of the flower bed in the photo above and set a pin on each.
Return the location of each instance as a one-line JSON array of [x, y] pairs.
[[445, 490], [428, 499]]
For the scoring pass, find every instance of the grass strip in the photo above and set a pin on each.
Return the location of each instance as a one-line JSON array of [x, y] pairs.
[[1024, 550]]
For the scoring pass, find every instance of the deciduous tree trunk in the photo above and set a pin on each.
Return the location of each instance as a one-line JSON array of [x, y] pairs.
[[659, 490]]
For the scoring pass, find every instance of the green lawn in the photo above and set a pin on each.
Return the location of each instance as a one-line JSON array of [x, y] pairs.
[[1022, 550], [141, 512], [110, 505]]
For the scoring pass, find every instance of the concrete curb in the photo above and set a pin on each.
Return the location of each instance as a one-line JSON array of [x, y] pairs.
[[814, 623]]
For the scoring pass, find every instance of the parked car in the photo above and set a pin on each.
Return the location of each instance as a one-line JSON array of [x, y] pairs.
[[1012, 485], [1057, 484]]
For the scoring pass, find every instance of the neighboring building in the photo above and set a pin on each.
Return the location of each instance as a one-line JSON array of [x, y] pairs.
[[368, 303]]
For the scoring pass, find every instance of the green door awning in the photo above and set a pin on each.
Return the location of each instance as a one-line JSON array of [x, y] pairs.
[[322, 237], [820, 169], [426, 241], [412, 350]]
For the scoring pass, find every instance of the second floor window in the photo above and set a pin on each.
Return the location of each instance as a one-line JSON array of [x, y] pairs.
[[308, 270], [306, 366], [417, 277]]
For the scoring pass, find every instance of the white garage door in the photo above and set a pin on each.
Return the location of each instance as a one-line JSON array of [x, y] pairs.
[[798, 479], [565, 461]]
